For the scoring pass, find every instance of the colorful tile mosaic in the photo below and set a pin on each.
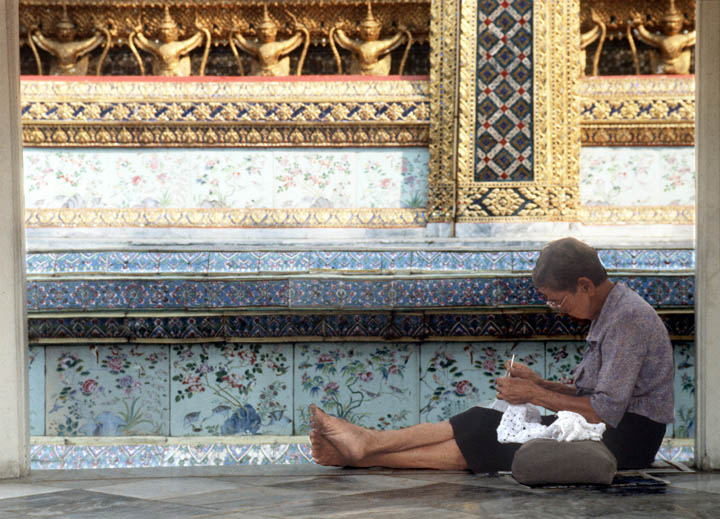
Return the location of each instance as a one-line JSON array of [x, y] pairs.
[[67, 457], [374, 385], [102, 390], [504, 120], [36, 383], [457, 376], [636, 176], [230, 389], [418, 325], [304, 261], [421, 292], [251, 178], [684, 426]]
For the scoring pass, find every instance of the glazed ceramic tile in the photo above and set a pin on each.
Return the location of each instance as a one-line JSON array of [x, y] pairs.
[[370, 384], [36, 382], [458, 375], [637, 176], [313, 178], [105, 390], [392, 178], [561, 359], [231, 389], [684, 426], [40, 263]]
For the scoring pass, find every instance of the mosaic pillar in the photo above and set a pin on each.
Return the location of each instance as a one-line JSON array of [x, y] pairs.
[[707, 454], [14, 449]]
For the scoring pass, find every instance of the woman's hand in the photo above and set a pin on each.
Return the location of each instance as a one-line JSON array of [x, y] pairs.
[[515, 390], [519, 370]]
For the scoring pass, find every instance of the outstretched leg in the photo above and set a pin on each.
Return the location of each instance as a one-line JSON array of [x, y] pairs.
[[338, 442]]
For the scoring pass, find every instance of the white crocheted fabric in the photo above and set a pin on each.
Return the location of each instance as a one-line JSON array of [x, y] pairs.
[[521, 423]]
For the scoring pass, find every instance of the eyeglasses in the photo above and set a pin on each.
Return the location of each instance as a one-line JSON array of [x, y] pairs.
[[556, 306]]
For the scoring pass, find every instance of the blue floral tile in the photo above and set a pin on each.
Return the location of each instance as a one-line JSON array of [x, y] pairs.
[[461, 261], [51, 295], [444, 292], [196, 262], [283, 261], [524, 261], [358, 325], [561, 359], [81, 262], [231, 389], [36, 381], [663, 290], [345, 260], [40, 263], [106, 390], [396, 260], [684, 426], [233, 262], [514, 291], [458, 375], [369, 384], [338, 293], [648, 259], [133, 262]]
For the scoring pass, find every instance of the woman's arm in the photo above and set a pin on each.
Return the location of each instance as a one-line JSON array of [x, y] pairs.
[[516, 391]]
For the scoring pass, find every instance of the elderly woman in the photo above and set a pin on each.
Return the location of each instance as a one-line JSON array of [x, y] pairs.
[[625, 380]]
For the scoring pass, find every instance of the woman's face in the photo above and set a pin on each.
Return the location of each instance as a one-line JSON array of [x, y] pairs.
[[578, 304]]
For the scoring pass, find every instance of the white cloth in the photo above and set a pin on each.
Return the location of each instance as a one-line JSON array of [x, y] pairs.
[[521, 423]]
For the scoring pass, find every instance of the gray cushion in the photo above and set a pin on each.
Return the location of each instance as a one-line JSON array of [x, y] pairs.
[[552, 462]]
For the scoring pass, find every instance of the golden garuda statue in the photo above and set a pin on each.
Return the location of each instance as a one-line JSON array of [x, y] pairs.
[[268, 55], [70, 57], [170, 54], [370, 54], [673, 46]]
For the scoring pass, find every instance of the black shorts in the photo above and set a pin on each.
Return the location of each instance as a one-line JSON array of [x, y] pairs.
[[634, 442]]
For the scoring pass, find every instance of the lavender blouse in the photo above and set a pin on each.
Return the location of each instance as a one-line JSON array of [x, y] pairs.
[[628, 362]]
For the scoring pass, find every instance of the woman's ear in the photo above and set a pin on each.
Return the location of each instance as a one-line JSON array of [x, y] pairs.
[[585, 284]]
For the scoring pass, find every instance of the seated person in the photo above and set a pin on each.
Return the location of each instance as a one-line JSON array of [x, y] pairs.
[[625, 380]]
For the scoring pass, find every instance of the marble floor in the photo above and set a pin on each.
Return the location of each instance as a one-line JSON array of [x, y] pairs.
[[311, 491]]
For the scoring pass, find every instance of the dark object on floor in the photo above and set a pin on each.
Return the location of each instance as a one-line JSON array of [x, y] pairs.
[[552, 462]]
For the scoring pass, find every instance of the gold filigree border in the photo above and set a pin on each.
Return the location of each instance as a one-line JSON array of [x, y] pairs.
[[636, 215], [553, 194], [237, 113], [637, 111], [238, 218]]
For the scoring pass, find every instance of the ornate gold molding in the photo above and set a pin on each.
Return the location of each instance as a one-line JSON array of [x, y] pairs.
[[236, 218], [147, 113], [637, 111], [636, 215], [552, 191]]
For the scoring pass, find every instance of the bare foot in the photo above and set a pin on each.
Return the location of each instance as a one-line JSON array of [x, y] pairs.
[[350, 442], [324, 452]]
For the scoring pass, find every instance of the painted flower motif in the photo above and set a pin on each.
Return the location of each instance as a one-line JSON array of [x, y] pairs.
[[115, 363], [463, 387], [489, 365], [89, 386], [332, 388], [365, 377]]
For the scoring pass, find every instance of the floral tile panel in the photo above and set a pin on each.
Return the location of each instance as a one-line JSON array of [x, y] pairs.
[[637, 176], [371, 384], [36, 381], [457, 375], [107, 390], [231, 389], [684, 426], [184, 178]]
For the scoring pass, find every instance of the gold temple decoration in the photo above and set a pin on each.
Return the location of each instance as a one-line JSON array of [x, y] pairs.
[[267, 54], [370, 55], [597, 33], [230, 113], [216, 217], [553, 192], [673, 56], [69, 55], [170, 55], [637, 111]]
